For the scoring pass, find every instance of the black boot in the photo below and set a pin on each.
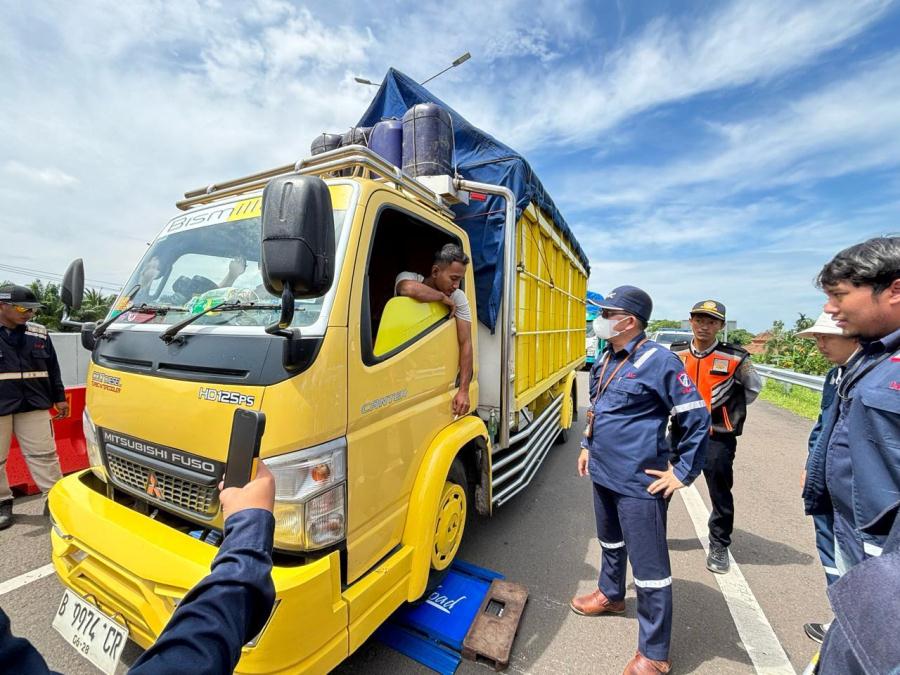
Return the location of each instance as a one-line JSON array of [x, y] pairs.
[[6, 514]]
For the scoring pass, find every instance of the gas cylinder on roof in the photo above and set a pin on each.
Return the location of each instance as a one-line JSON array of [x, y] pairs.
[[427, 141], [325, 142], [356, 136], [387, 140]]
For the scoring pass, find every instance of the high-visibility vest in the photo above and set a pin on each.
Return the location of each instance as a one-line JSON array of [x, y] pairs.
[[714, 376]]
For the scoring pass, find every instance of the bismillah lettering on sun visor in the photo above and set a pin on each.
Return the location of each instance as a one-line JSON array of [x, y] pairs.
[[246, 208]]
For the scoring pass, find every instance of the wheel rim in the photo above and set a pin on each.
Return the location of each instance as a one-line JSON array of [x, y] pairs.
[[448, 530]]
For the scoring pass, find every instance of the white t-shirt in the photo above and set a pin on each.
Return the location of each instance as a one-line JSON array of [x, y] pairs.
[[459, 298]]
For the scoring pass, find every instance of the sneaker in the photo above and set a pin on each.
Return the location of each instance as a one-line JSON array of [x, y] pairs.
[[6, 514], [717, 560], [816, 631]]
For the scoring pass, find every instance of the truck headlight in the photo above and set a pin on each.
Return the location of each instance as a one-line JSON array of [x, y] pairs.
[[310, 496], [92, 441]]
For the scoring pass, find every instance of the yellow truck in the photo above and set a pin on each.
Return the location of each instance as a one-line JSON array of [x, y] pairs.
[[376, 479]]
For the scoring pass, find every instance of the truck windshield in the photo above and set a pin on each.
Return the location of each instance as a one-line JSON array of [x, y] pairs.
[[209, 256]]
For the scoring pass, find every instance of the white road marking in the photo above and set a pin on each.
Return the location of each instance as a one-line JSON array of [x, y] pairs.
[[766, 652], [25, 579]]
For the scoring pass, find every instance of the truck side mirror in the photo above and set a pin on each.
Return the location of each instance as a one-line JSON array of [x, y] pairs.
[[72, 291], [297, 236]]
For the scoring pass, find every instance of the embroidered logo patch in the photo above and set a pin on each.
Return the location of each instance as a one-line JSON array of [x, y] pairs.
[[631, 375], [684, 379], [895, 386]]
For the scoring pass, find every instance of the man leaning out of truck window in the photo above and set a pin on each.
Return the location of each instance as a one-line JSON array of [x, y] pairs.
[[447, 272]]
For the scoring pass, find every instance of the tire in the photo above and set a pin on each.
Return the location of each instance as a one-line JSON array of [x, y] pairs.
[[454, 516], [563, 436]]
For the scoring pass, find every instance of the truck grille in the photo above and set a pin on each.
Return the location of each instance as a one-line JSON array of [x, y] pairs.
[[180, 493]]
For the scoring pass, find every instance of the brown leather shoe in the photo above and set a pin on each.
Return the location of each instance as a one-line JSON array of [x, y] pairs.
[[641, 665], [596, 603]]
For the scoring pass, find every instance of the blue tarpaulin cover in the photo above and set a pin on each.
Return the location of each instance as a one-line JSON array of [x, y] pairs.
[[479, 157]]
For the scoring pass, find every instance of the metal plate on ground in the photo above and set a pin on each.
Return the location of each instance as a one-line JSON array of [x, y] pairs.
[[490, 638], [95, 635]]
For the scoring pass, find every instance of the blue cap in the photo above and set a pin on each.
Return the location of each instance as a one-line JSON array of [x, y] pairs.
[[629, 299]]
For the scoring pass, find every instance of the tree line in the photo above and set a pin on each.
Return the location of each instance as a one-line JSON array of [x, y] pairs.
[[94, 307]]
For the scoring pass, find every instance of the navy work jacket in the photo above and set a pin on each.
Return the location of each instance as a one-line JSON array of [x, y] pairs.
[[224, 611], [862, 638], [631, 416], [829, 393], [874, 439], [29, 370]]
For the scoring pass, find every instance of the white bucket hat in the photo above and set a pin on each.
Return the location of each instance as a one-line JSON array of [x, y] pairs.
[[824, 325]]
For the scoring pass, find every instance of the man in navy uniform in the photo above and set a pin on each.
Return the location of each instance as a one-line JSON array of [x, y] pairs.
[[30, 385], [855, 472], [636, 387]]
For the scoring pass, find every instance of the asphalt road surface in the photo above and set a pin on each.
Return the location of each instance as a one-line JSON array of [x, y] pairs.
[[545, 539]]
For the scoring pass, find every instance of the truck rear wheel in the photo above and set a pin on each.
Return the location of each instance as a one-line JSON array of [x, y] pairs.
[[454, 512], [564, 434]]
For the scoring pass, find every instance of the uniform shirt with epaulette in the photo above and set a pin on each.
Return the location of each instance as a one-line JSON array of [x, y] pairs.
[[30, 377], [726, 380]]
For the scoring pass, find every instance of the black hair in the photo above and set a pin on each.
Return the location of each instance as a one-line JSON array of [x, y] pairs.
[[875, 263], [449, 254]]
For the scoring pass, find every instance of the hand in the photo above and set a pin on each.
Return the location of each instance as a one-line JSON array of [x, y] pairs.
[[62, 409], [460, 405], [447, 300], [583, 459], [237, 267], [665, 480], [802, 478], [259, 493]]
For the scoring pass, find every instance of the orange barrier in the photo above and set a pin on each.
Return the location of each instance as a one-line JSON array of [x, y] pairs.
[[70, 446]]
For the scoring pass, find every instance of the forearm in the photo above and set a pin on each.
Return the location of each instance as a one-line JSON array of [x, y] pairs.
[[419, 291], [226, 608], [465, 365]]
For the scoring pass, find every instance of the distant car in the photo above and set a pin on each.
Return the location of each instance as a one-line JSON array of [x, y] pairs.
[[668, 337]]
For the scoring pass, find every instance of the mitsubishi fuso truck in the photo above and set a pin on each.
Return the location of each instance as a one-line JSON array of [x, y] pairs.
[[275, 292]]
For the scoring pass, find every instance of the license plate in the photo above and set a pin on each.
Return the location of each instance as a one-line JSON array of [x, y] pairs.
[[96, 636]]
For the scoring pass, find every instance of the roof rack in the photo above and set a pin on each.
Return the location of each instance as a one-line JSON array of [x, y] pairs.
[[350, 157]]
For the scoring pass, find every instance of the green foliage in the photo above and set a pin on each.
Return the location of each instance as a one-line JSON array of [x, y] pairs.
[[785, 350], [661, 324], [94, 306], [738, 336], [800, 400]]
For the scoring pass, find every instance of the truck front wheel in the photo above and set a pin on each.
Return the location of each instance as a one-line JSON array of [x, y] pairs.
[[453, 514]]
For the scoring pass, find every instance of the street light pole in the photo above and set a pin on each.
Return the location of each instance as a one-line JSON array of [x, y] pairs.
[[459, 61]]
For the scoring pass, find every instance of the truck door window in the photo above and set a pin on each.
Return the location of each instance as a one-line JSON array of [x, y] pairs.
[[401, 243]]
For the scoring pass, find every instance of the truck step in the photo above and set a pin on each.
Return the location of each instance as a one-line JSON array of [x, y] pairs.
[[490, 638]]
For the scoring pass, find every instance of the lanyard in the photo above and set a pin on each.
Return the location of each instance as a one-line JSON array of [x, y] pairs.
[[854, 372], [601, 386]]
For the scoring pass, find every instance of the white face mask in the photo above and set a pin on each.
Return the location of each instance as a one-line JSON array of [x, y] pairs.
[[605, 328]]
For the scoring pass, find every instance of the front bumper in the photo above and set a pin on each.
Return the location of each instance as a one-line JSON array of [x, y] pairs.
[[138, 569]]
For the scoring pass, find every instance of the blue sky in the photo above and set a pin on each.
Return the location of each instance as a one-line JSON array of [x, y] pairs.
[[698, 149]]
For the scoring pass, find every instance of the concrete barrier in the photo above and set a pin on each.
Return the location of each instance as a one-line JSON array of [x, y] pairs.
[[70, 445]]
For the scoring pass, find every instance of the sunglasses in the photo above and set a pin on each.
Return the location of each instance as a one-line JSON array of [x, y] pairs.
[[608, 314], [23, 310]]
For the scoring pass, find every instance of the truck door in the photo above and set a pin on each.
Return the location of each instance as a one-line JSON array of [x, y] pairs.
[[400, 388]]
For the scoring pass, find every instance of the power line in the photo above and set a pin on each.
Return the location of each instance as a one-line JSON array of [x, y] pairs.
[[53, 275], [56, 278]]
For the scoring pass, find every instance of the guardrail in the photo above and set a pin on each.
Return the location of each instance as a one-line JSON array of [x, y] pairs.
[[815, 382]]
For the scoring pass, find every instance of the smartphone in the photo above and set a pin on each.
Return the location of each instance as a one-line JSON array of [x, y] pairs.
[[247, 429]]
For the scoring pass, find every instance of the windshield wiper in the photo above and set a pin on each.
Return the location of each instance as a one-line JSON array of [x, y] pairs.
[[169, 334], [143, 307]]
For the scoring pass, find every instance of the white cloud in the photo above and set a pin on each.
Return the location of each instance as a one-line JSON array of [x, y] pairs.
[[749, 41], [51, 175]]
